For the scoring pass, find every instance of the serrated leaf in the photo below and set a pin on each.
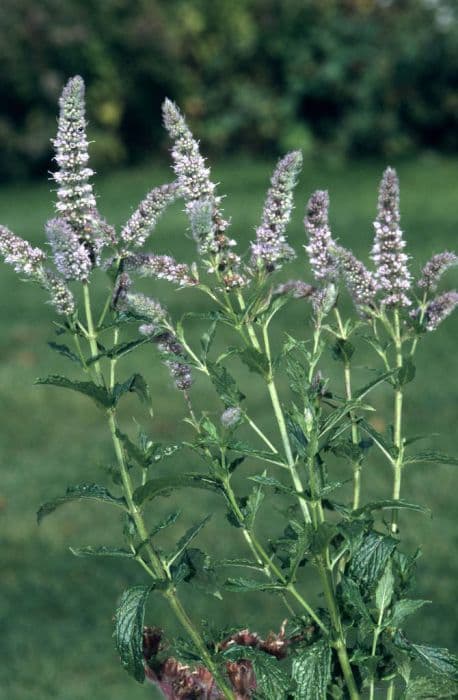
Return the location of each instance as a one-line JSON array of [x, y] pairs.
[[311, 669], [97, 393], [65, 351], [369, 560], [391, 504], [119, 350], [406, 373], [342, 350], [255, 361], [385, 587], [166, 484], [427, 688], [364, 390], [273, 483], [404, 608], [437, 660], [352, 597], [340, 413], [135, 384], [129, 630], [243, 563], [165, 522], [225, 385], [388, 449], [101, 551], [187, 538], [431, 456], [272, 683], [80, 492], [246, 585], [253, 504]]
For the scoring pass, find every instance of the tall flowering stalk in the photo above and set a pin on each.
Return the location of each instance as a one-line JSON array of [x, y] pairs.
[[351, 639]]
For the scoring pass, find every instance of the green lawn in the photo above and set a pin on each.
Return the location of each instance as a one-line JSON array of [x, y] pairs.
[[56, 610]]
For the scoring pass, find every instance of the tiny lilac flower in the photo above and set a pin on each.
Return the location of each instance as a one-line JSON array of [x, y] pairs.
[[71, 257], [144, 219], [162, 267], [270, 248], [146, 308], [391, 274], [319, 249], [439, 308], [435, 268]]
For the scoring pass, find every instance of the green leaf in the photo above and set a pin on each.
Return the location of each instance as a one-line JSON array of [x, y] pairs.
[[431, 689], [135, 384], [273, 483], [388, 503], [406, 373], [384, 590], [165, 522], [129, 630], [252, 506], [187, 538], [246, 585], [272, 683], [388, 448], [207, 339], [97, 393], [119, 350], [66, 352], [369, 560], [311, 669], [437, 660], [255, 361], [340, 413], [80, 492], [225, 385], [164, 485], [352, 597], [342, 350], [364, 390], [102, 551], [431, 456], [404, 608]]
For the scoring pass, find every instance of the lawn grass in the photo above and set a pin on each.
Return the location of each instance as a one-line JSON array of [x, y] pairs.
[[56, 610]]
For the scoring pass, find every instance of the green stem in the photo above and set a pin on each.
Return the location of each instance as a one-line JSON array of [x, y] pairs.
[[157, 568], [390, 691], [398, 441], [263, 558], [355, 438]]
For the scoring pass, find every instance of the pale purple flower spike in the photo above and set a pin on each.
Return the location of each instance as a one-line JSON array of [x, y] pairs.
[[439, 308], [61, 297], [76, 201], [195, 185], [392, 275], [144, 219], [270, 249], [162, 267], [25, 259], [359, 281], [71, 257], [319, 249], [435, 268]]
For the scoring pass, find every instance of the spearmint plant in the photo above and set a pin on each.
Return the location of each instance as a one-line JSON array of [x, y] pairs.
[[351, 643]]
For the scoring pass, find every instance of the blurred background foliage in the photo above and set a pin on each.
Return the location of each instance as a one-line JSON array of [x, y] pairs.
[[338, 77]]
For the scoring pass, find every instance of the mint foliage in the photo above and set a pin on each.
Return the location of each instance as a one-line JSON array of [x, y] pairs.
[[311, 671], [129, 618]]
